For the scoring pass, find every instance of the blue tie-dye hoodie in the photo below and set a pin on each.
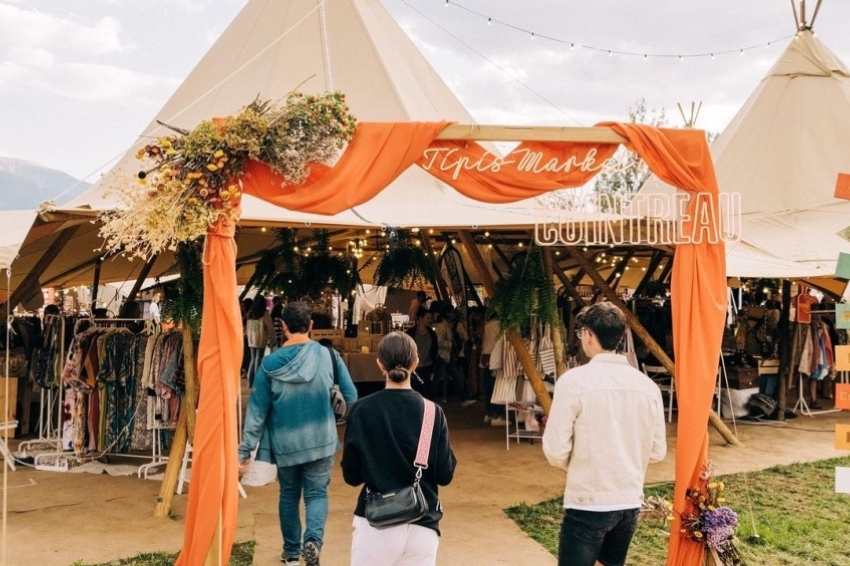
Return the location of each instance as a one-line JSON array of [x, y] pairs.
[[289, 412]]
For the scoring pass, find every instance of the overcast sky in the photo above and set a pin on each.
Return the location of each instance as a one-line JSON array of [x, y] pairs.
[[80, 79]]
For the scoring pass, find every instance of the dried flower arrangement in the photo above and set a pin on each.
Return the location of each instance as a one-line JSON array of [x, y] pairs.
[[192, 178], [712, 522]]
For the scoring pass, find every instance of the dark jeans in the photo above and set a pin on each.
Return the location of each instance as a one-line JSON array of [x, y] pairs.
[[588, 536], [447, 369]]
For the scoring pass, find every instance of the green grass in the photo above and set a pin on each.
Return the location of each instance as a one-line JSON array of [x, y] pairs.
[[242, 555], [794, 509]]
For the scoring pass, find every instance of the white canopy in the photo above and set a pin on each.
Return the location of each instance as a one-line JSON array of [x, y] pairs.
[[14, 226], [355, 46], [782, 153]]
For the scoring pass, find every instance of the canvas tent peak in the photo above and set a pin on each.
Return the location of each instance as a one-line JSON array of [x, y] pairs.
[[782, 153]]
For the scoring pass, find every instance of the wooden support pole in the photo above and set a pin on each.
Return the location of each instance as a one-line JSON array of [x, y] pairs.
[[568, 285], [528, 366], [172, 468], [785, 339], [668, 267], [143, 274], [505, 259], [650, 271], [32, 278], [439, 284], [557, 339], [646, 337], [190, 371], [621, 268], [214, 557], [95, 284]]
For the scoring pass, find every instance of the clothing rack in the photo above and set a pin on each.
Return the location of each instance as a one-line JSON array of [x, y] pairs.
[[801, 397], [48, 434]]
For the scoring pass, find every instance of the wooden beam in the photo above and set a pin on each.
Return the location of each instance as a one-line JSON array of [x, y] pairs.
[[568, 285], [621, 268], [500, 253], [439, 284], [668, 267], [650, 271], [32, 278], [172, 468], [557, 339], [512, 335], [646, 337], [785, 339], [529, 133], [95, 283], [143, 274]]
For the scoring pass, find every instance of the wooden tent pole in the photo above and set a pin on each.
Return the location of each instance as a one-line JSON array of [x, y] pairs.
[[568, 285], [143, 274], [646, 337], [38, 270], [784, 347], [95, 284], [214, 557], [439, 284], [512, 335], [650, 271], [668, 267], [557, 339]]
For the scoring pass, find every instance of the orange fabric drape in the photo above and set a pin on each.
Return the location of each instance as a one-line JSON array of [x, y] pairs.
[[213, 493], [530, 170], [681, 158], [378, 154]]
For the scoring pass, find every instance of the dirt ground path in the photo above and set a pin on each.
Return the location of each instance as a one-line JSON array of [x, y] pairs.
[[58, 518]]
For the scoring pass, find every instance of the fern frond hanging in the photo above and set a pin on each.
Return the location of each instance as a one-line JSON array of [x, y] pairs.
[[524, 291]]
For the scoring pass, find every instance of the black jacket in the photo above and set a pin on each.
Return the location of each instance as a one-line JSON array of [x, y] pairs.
[[412, 333], [381, 438]]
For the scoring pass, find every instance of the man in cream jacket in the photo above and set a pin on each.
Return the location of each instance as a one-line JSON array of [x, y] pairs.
[[605, 425]]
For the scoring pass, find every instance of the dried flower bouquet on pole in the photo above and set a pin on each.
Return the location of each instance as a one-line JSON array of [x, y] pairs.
[[191, 179]]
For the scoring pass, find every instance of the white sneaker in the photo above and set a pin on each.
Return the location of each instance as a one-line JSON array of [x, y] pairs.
[[487, 419], [467, 403], [498, 421]]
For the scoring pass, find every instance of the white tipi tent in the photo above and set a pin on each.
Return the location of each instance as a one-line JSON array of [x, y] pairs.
[[355, 46], [782, 153]]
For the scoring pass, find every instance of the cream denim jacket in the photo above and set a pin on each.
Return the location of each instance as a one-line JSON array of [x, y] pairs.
[[605, 425]]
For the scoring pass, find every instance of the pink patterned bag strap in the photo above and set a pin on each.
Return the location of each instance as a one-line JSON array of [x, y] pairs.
[[424, 449]]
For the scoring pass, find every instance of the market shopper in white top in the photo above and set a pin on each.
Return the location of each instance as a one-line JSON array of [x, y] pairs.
[[605, 425]]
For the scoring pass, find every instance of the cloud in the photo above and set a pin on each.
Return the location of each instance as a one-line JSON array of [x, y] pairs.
[[30, 28], [100, 83]]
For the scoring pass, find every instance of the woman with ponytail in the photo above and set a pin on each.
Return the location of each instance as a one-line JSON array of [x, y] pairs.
[[381, 439]]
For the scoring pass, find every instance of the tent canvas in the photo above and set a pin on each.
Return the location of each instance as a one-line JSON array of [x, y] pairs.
[[782, 152], [354, 46]]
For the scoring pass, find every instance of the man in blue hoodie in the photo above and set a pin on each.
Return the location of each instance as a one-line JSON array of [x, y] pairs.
[[290, 417]]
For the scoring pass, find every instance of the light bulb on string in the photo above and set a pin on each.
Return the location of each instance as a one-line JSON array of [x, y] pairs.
[[609, 53], [680, 59], [489, 21], [712, 56], [742, 52], [572, 46], [644, 57], [532, 35]]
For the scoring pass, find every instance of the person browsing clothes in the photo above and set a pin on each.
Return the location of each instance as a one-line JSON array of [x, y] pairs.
[[290, 417], [381, 441], [605, 425]]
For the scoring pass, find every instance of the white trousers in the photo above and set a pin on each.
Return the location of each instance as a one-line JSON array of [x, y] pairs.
[[404, 545]]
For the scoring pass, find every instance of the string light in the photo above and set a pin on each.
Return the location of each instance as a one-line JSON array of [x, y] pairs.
[[681, 56]]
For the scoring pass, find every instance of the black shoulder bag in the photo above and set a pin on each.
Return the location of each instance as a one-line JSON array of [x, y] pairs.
[[407, 504]]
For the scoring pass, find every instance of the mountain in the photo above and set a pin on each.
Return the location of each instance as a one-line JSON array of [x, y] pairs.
[[24, 185]]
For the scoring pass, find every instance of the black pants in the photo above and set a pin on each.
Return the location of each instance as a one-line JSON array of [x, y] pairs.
[[426, 386], [588, 536]]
